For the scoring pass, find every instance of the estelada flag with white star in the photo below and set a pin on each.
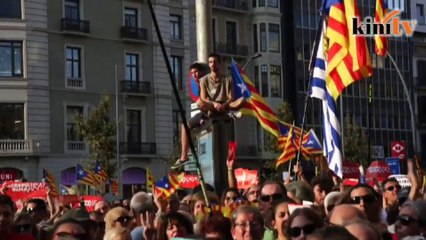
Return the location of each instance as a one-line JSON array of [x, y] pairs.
[[168, 184], [100, 172], [85, 176], [254, 105]]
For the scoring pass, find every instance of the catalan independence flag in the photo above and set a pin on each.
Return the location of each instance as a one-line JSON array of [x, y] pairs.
[[348, 55], [290, 149], [150, 182], [381, 42], [85, 176], [310, 145], [255, 105], [50, 180], [100, 172], [169, 184], [115, 188]]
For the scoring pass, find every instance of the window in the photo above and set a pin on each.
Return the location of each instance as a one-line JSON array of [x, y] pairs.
[[420, 14], [264, 79], [231, 35], [10, 9], [421, 105], [275, 81], [255, 44], [72, 9], [12, 121], [73, 55], [72, 112], [131, 17], [421, 73], [176, 125], [175, 27], [256, 78], [10, 59], [261, 3], [253, 3], [396, 4], [132, 67], [177, 70], [214, 34], [274, 37], [134, 127], [263, 43], [273, 3]]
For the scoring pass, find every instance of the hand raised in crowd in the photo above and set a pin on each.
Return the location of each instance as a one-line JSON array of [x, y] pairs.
[[147, 222], [158, 201]]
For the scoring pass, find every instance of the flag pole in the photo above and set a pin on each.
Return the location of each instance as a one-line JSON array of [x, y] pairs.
[[410, 106], [181, 109], [311, 75], [117, 143]]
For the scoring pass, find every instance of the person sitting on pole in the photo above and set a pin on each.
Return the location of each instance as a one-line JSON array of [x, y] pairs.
[[216, 98]]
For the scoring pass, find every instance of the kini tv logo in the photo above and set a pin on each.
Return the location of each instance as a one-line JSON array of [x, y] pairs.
[[392, 25]]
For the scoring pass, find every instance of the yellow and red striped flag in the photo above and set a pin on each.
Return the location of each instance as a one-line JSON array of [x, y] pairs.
[[50, 180], [114, 187], [254, 105], [150, 182], [290, 150], [85, 176], [348, 55], [381, 42], [169, 184]]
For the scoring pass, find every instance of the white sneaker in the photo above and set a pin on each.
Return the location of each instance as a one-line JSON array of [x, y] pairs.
[[235, 115]]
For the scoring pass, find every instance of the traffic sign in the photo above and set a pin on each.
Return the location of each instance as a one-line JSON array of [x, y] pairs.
[[393, 163], [399, 150]]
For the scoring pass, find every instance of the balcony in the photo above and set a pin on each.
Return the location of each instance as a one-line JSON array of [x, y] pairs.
[[232, 49], [75, 26], [136, 87], [75, 83], [134, 34], [234, 5], [138, 148], [19, 147]]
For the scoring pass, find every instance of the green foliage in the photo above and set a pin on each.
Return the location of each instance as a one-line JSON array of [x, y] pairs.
[[285, 114], [100, 133], [355, 142]]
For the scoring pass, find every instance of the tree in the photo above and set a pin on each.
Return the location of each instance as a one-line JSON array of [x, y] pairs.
[[100, 133], [355, 143]]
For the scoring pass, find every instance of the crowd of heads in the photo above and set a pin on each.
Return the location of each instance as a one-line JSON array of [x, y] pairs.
[[298, 210]]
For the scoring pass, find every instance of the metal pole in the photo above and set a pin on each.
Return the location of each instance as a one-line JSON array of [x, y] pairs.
[[181, 109], [413, 125], [370, 96], [117, 143], [311, 75], [203, 11]]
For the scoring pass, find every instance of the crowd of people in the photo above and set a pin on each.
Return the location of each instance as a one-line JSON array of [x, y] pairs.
[[280, 210]]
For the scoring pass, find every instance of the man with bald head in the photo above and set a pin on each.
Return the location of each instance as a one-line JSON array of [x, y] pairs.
[[345, 213], [363, 230]]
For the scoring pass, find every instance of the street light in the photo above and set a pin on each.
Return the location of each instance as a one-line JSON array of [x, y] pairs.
[[252, 57]]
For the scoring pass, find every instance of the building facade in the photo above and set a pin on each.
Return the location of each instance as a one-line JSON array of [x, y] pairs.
[[390, 118], [62, 63]]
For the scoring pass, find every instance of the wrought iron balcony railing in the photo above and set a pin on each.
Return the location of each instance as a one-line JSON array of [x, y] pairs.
[[75, 25], [234, 4], [232, 49], [134, 33], [148, 148], [128, 86]]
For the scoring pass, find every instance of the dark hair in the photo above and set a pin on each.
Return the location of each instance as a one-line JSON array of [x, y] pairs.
[[179, 218], [6, 200], [217, 223], [333, 232], [309, 214], [363, 185], [324, 182], [197, 66], [276, 204], [224, 192], [391, 179], [215, 55], [283, 189], [41, 205]]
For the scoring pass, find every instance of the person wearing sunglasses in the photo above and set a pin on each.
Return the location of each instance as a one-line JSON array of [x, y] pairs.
[[302, 222], [69, 229], [229, 196], [271, 192], [246, 223], [117, 217], [412, 219], [390, 190], [365, 198]]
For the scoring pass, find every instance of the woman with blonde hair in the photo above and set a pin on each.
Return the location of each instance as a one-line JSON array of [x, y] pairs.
[[117, 217]]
